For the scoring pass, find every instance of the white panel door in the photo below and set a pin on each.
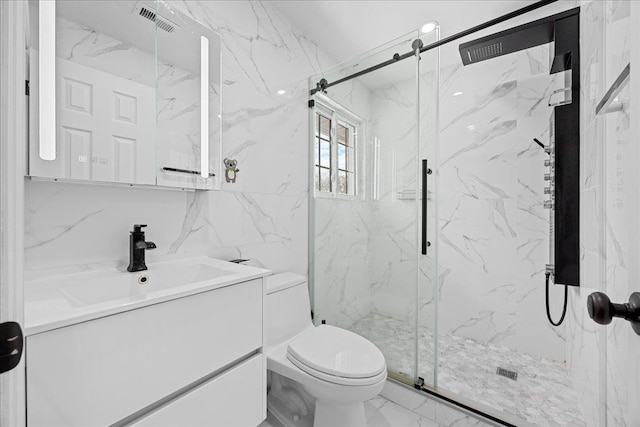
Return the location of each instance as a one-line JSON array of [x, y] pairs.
[[105, 127]]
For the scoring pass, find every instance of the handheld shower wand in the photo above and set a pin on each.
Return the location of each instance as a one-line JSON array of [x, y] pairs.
[[549, 268]]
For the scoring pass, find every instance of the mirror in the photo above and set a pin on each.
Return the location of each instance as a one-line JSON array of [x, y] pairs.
[[123, 92]]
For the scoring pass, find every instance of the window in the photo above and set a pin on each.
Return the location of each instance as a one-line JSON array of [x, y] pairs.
[[335, 146], [323, 153]]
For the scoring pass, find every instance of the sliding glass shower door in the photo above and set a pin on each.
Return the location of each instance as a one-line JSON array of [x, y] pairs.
[[372, 212]]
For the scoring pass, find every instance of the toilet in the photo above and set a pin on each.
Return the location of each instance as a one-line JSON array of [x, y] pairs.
[[319, 376]]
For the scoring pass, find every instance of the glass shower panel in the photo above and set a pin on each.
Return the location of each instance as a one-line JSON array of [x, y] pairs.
[[366, 246], [496, 348]]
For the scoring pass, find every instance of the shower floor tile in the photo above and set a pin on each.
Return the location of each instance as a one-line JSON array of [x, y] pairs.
[[542, 394]]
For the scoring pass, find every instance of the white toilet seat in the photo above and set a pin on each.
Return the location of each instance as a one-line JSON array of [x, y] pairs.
[[338, 380], [338, 356]]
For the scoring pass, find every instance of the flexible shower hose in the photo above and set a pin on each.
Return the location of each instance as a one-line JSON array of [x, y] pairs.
[[564, 308]]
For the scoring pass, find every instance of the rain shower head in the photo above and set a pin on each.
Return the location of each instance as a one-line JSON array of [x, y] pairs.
[[522, 37], [508, 41]]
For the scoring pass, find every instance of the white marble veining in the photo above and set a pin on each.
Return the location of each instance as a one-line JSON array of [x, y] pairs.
[[602, 364], [493, 229], [383, 411], [621, 197], [263, 216]]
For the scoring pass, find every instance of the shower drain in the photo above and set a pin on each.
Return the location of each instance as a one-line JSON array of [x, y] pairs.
[[512, 375]]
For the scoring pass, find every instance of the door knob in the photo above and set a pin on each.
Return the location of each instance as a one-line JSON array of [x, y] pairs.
[[11, 343], [602, 310]]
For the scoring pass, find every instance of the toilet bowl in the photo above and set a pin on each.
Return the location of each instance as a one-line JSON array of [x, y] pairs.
[[325, 371]]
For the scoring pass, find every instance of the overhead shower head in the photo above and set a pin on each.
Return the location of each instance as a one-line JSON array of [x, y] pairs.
[[512, 40]]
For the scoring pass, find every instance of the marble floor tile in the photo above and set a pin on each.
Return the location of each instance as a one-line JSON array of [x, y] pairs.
[[379, 412], [390, 414], [543, 393]]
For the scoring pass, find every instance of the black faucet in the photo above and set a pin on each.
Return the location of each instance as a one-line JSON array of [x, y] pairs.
[[137, 246]]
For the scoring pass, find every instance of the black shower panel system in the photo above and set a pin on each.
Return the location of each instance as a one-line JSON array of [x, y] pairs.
[[564, 30]]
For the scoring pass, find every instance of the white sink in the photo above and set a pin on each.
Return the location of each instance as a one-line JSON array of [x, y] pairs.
[[66, 296], [101, 287]]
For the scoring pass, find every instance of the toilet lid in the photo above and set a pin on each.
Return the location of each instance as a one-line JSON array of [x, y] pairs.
[[337, 352]]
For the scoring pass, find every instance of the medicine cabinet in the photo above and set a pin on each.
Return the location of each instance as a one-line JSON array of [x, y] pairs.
[[124, 92]]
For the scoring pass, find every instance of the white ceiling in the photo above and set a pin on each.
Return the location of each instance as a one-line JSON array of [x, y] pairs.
[[348, 28]]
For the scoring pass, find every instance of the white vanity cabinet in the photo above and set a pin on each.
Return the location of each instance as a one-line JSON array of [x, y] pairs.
[[194, 360]]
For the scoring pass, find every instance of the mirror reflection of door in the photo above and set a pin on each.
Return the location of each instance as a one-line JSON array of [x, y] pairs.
[[128, 95]]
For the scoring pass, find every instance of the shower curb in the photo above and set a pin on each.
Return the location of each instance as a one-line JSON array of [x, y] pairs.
[[434, 404]]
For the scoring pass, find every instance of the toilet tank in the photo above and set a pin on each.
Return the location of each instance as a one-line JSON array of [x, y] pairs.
[[287, 308]]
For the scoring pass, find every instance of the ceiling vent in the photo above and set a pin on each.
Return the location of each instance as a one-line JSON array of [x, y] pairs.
[[149, 12]]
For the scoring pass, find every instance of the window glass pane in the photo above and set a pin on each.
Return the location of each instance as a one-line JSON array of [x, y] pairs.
[[316, 151], [325, 180], [342, 156], [317, 178], [342, 182], [325, 128], [317, 125], [342, 134], [325, 154]]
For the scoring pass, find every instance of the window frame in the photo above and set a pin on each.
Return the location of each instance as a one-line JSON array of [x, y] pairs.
[[355, 126]]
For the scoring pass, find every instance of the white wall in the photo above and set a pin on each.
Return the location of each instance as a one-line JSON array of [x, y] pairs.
[[262, 216]]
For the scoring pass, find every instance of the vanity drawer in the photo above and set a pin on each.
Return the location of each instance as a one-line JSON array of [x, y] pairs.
[[101, 371], [234, 398]]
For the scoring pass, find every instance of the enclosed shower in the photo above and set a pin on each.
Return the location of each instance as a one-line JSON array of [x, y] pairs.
[[367, 242], [440, 195]]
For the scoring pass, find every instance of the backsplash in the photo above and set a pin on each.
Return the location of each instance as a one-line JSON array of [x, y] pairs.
[[263, 216]]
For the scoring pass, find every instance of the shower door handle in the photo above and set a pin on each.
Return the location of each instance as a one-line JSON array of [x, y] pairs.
[[425, 172]]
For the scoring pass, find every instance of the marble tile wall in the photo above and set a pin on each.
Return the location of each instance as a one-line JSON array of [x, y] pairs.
[[585, 341], [601, 358], [493, 228], [263, 216], [622, 210]]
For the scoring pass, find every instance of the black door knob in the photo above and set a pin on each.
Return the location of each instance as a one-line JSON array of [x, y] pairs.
[[11, 343], [602, 310]]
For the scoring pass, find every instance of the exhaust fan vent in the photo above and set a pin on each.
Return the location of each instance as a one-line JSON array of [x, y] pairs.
[[162, 23]]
